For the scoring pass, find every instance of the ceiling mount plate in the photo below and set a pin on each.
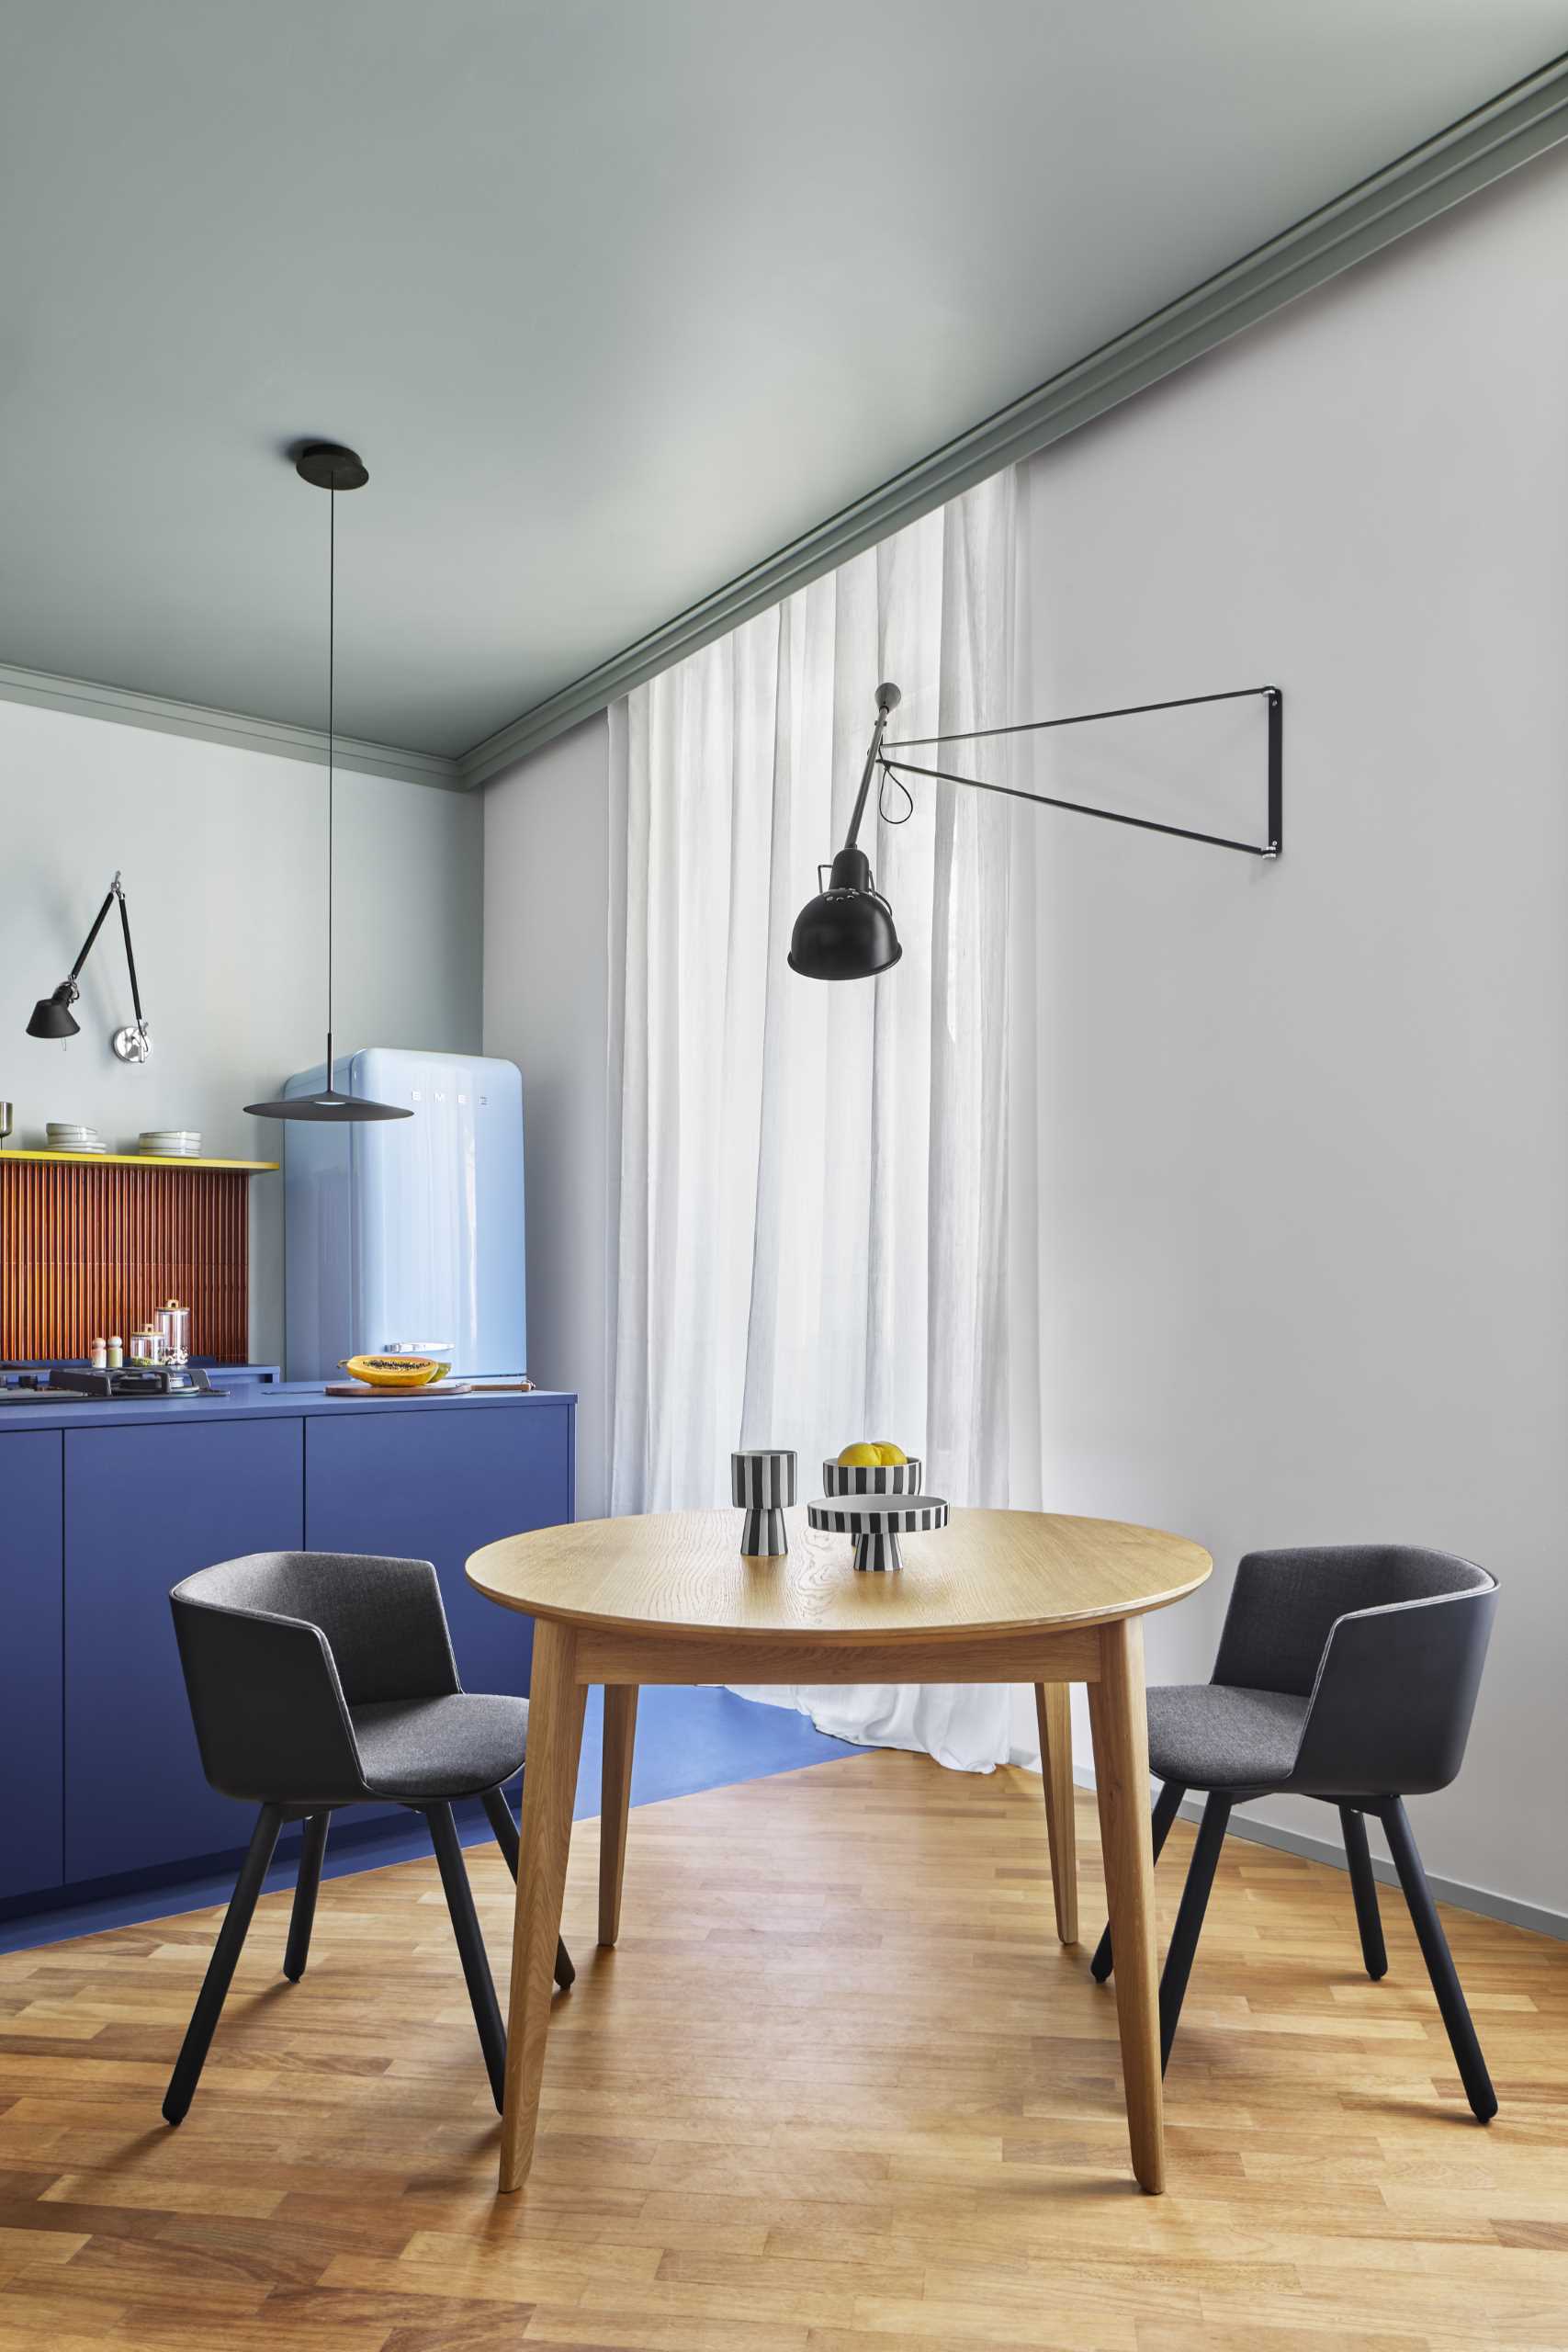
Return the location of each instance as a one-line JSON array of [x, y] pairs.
[[329, 465]]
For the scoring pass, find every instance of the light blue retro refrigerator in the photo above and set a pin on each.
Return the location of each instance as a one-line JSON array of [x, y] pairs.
[[408, 1230]]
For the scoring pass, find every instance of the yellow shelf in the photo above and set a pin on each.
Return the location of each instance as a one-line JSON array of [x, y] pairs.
[[138, 1159]]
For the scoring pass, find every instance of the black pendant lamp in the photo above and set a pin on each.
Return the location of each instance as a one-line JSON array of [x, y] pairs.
[[328, 467]]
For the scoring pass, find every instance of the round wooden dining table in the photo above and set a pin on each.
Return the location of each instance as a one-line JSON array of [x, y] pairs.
[[996, 1596]]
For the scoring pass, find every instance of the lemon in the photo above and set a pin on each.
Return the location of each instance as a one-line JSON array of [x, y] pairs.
[[861, 1457], [889, 1454]]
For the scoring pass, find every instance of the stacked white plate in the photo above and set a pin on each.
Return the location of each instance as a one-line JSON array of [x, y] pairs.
[[66, 1135], [170, 1143]]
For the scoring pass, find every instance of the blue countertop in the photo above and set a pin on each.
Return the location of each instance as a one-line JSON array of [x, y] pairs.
[[249, 1401]]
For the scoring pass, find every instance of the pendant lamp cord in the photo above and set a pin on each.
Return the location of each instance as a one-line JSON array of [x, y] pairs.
[[331, 692]]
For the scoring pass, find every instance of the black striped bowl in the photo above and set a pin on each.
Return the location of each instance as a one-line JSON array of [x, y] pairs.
[[889, 1478]]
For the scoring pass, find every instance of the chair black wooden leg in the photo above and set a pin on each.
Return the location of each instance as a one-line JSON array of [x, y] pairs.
[[221, 1967], [1167, 1805], [470, 1944], [1439, 1963], [1364, 1888], [312, 1853], [506, 1837], [1189, 1918], [503, 1822]]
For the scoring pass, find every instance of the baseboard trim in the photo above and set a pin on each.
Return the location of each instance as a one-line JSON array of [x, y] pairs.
[[1480, 1899]]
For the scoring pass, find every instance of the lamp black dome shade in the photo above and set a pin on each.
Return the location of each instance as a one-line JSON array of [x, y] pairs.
[[845, 933], [52, 1015], [346, 1108]]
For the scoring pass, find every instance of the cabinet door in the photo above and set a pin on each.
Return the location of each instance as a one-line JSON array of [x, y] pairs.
[[144, 1506], [31, 1831], [434, 1484]]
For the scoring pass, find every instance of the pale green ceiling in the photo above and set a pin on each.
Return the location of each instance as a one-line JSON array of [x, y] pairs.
[[613, 296]]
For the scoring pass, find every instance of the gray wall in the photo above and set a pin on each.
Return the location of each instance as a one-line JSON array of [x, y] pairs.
[[1306, 1254], [1305, 1249], [224, 857], [546, 856]]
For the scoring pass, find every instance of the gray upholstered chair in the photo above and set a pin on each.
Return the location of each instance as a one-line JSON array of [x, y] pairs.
[[319, 1680], [1348, 1674]]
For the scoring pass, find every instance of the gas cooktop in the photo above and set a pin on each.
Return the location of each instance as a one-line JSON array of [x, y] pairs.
[[137, 1384]]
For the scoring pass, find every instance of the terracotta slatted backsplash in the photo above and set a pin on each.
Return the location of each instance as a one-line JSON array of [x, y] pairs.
[[85, 1250]]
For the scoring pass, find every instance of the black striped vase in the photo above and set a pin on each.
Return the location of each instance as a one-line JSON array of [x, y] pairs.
[[762, 1484]]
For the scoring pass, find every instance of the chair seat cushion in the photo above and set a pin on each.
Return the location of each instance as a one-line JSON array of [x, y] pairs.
[[1215, 1736], [418, 1748]]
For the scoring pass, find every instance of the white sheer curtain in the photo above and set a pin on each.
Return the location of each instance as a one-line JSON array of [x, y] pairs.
[[827, 1194]]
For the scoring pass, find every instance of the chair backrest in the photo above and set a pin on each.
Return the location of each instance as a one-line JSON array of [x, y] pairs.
[[1387, 1643], [278, 1646]]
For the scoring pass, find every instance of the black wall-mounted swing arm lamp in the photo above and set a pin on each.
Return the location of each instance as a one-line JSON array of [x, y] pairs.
[[51, 1014], [847, 932]]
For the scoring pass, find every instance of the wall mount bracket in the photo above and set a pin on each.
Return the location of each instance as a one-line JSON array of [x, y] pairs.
[[888, 757]]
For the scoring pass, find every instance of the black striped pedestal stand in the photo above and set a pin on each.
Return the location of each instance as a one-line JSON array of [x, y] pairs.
[[763, 1485], [877, 1522]]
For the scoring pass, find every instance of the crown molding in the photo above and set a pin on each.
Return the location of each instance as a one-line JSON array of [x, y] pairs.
[[125, 707], [1482, 146]]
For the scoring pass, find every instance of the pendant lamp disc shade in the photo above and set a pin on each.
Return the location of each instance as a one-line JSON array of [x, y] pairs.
[[348, 1110]]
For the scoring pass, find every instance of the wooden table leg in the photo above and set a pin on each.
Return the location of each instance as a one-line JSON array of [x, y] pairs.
[[620, 1733], [1118, 1717], [550, 1784], [1052, 1708]]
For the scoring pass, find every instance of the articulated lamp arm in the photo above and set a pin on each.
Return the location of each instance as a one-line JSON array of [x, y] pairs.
[[846, 932]]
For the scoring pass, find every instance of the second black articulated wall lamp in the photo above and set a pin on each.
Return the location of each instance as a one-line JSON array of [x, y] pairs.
[[847, 932], [53, 1016]]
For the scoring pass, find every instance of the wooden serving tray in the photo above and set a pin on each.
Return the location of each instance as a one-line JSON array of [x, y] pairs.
[[431, 1389], [435, 1389]]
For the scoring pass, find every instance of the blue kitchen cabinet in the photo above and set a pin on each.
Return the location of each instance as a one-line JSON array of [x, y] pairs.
[[434, 1484], [143, 1507], [31, 1824]]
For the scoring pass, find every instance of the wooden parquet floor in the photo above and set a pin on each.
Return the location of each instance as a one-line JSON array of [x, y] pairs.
[[837, 2090]]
